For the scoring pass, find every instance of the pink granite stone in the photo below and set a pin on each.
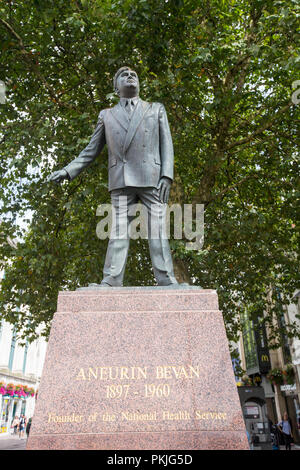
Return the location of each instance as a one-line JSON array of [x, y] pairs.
[[138, 368]]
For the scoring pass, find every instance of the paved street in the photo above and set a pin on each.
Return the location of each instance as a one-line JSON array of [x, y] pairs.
[[8, 442]]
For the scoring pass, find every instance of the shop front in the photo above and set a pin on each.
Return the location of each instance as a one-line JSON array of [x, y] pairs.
[[253, 403], [289, 392], [14, 401], [11, 407]]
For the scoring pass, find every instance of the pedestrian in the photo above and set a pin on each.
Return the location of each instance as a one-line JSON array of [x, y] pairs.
[[285, 427], [22, 425], [15, 424], [28, 426], [275, 438]]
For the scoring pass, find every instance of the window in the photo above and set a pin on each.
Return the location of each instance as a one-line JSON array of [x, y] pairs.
[[12, 349], [282, 324], [25, 357], [249, 342]]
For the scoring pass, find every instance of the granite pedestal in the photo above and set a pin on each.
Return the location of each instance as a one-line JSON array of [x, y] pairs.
[[138, 368]]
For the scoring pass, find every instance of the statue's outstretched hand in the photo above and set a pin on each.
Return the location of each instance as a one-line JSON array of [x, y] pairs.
[[164, 189], [58, 176]]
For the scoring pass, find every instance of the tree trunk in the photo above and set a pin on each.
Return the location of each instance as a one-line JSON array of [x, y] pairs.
[[181, 271]]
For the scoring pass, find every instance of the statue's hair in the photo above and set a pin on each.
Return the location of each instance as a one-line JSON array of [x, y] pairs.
[[118, 73]]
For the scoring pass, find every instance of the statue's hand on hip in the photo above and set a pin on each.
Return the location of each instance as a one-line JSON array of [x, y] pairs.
[[58, 176], [164, 189]]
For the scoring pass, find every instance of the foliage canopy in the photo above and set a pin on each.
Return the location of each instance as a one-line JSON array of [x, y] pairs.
[[224, 71]]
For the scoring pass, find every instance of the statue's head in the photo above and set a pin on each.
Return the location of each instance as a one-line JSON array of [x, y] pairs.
[[126, 83]]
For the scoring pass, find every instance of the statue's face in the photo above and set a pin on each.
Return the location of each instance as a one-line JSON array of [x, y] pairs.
[[128, 84]]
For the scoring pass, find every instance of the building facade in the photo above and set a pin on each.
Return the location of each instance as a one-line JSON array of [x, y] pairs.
[[271, 385], [20, 372]]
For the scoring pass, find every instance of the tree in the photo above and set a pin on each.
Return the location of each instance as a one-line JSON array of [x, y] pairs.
[[224, 71]]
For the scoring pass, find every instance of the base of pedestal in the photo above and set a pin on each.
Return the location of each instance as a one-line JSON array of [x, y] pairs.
[[138, 368]]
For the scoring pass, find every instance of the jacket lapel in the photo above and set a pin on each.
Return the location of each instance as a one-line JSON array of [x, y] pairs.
[[141, 108], [121, 116]]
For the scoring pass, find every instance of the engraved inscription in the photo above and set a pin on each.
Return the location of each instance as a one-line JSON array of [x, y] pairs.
[[129, 415], [121, 374], [138, 373], [125, 385], [64, 419]]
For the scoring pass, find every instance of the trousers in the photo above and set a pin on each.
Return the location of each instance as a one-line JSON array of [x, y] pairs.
[[123, 201]]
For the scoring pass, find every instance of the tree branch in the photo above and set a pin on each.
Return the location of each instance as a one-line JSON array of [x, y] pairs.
[[234, 186], [260, 130], [12, 243], [34, 66]]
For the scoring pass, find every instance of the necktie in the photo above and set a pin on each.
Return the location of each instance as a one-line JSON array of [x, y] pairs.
[[129, 106]]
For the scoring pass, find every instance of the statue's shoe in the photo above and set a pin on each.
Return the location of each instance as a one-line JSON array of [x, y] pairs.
[[103, 284], [174, 284]]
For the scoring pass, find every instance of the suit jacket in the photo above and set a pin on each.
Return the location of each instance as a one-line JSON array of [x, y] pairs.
[[140, 149]]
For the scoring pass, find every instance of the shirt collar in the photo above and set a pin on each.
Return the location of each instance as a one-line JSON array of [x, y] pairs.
[[123, 101]]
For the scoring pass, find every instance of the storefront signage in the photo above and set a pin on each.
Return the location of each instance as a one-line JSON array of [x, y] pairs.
[[264, 360], [288, 389]]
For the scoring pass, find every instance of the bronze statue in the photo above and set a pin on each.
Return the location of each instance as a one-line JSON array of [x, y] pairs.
[[140, 167]]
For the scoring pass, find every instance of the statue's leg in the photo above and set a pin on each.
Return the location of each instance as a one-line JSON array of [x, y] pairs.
[[118, 245], [157, 238]]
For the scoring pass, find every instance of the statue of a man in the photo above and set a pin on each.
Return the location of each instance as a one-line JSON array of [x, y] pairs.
[[140, 167]]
